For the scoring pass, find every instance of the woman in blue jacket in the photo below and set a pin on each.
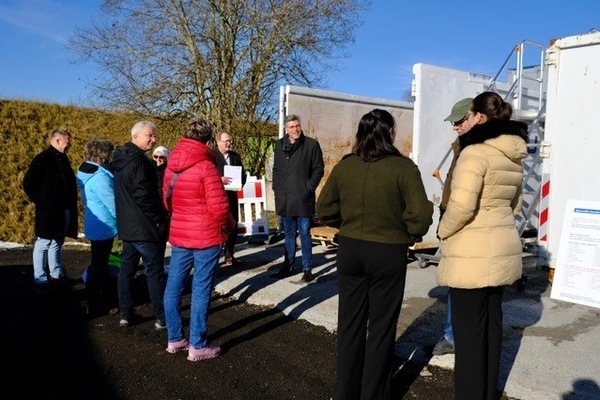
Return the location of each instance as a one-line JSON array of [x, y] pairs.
[[100, 222]]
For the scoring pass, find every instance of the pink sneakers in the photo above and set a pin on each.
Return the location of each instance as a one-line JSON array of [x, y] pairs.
[[204, 353], [176, 347]]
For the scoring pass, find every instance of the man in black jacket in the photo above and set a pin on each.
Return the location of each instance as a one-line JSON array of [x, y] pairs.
[[297, 170], [141, 221], [50, 183], [225, 156]]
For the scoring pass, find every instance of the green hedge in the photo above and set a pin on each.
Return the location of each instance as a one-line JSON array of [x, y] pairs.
[[24, 130]]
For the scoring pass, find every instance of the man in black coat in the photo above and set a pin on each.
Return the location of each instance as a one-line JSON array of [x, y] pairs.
[[50, 183], [141, 221], [297, 170], [225, 156]]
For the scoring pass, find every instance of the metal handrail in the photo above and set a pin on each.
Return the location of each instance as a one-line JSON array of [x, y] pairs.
[[518, 83]]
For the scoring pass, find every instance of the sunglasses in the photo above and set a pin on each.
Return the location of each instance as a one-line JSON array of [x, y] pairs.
[[459, 122], [159, 157]]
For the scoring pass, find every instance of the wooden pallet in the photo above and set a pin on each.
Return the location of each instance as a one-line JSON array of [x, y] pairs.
[[324, 235]]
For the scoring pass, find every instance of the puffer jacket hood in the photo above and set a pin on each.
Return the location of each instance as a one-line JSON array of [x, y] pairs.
[[184, 158], [86, 171]]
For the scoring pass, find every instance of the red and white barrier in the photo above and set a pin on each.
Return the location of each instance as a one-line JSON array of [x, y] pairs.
[[543, 221], [253, 216]]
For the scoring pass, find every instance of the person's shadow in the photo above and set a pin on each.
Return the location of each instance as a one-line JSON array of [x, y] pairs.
[[587, 386], [46, 337], [522, 307], [294, 305]]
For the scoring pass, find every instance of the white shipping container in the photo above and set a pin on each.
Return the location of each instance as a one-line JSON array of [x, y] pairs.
[[572, 132]]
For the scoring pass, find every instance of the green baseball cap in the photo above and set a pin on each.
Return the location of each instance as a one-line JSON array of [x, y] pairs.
[[459, 110]]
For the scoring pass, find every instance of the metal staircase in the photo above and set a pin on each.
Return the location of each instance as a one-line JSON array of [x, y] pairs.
[[525, 90], [527, 95]]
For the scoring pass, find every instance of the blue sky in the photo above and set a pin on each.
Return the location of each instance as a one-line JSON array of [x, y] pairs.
[[474, 36]]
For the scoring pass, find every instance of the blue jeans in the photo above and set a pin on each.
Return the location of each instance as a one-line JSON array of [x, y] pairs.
[[47, 251], [448, 328], [152, 254], [204, 262], [290, 226]]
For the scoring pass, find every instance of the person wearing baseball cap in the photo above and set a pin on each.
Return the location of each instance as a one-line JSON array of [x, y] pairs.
[[460, 124], [459, 111]]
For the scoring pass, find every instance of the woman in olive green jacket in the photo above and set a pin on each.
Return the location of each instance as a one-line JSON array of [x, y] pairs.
[[376, 198]]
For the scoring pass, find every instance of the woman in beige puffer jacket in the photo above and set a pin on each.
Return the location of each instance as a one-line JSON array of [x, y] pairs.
[[481, 248]]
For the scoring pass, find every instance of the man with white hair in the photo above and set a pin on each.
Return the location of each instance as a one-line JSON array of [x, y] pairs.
[[141, 222]]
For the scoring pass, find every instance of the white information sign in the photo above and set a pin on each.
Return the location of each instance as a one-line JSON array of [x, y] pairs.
[[577, 273]]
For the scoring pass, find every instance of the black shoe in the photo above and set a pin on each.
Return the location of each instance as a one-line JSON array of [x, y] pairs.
[[58, 282], [134, 319], [63, 281], [42, 288], [160, 325], [307, 277], [282, 273]]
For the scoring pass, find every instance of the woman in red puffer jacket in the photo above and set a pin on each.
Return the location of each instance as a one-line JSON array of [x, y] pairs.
[[200, 220]]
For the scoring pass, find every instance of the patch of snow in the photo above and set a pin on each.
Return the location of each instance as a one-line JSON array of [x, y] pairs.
[[10, 245]]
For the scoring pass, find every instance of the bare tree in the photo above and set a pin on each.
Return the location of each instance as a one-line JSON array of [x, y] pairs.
[[221, 59]]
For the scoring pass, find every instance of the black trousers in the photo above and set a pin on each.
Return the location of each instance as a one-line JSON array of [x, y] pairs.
[[99, 291], [371, 279], [231, 242], [477, 326], [232, 236]]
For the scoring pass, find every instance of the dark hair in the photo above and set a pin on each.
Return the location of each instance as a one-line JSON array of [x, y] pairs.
[[375, 136], [199, 129], [98, 150], [492, 106]]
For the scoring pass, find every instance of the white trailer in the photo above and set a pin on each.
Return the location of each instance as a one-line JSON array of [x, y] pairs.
[[570, 170], [556, 96], [332, 118], [435, 90]]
